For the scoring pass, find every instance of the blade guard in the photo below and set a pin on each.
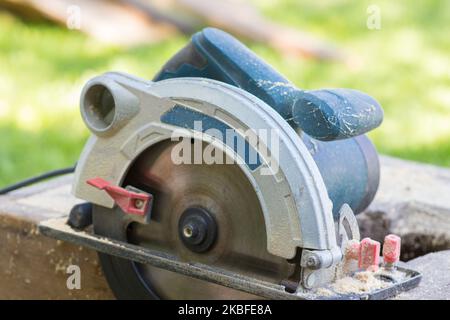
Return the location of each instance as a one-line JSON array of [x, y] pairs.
[[294, 200]]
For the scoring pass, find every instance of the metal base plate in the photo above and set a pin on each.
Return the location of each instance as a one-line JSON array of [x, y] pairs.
[[58, 229]]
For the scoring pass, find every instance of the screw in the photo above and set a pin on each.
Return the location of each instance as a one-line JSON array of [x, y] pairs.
[[139, 203], [312, 261]]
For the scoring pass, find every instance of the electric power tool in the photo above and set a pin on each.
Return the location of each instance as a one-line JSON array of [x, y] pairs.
[[220, 179]]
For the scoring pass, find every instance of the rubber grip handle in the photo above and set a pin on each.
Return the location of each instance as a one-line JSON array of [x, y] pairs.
[[323, 114], [333, 114]]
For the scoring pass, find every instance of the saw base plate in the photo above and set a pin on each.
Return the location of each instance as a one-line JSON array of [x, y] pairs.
[[58, 229]]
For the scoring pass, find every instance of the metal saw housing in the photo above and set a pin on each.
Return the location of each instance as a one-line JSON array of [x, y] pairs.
[[302, 154], [297, 210]]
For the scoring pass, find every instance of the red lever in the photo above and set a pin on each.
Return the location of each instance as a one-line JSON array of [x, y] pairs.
[[391, 249], [369, 254], [129, 201], [353, 249]]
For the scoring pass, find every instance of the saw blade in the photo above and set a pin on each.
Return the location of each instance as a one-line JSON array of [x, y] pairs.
[[224, 191]]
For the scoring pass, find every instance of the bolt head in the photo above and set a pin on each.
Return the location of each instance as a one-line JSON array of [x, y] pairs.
[[139, 203], [312, 262]]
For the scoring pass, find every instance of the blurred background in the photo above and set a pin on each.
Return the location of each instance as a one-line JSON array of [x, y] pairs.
[[397, 51]]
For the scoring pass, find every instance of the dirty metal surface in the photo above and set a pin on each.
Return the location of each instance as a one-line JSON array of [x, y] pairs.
[[57, 228]]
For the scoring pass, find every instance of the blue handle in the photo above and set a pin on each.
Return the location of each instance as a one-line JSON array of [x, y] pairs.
[[323, 114], [333, 114]]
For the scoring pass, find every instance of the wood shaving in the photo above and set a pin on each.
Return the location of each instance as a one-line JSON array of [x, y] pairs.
[[361, 282], [324, 292]]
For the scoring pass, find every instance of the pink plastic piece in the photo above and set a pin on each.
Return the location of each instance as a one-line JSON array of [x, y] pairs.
[[352, 250], [369, 256], [391, 249], [129, 201]]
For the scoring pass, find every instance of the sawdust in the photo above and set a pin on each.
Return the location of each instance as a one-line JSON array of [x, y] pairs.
[[361, 282], [274, 84], [34, 231], [324, 292]]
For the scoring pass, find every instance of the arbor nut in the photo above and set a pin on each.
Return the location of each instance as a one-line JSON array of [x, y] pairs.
[[197, 229], [391, 250]]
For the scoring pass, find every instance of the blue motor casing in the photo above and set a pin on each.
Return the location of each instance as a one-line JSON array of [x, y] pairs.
[[332, 121]]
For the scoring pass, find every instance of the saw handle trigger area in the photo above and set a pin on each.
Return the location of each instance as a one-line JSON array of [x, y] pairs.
[[334, 114], [131, 200], [326, 114]]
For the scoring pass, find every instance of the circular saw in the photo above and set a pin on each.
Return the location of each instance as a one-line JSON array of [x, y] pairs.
[[220, 179]]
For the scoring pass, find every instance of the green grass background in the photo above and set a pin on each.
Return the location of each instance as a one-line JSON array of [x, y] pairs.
[[405, 65]]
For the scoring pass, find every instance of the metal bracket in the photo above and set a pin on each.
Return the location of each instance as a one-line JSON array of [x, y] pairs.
[[317, 266], [320, 259], [347, 228], [131, 200], [314, 261]]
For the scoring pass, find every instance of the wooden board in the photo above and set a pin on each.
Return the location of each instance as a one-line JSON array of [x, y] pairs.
[[33, 266]]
